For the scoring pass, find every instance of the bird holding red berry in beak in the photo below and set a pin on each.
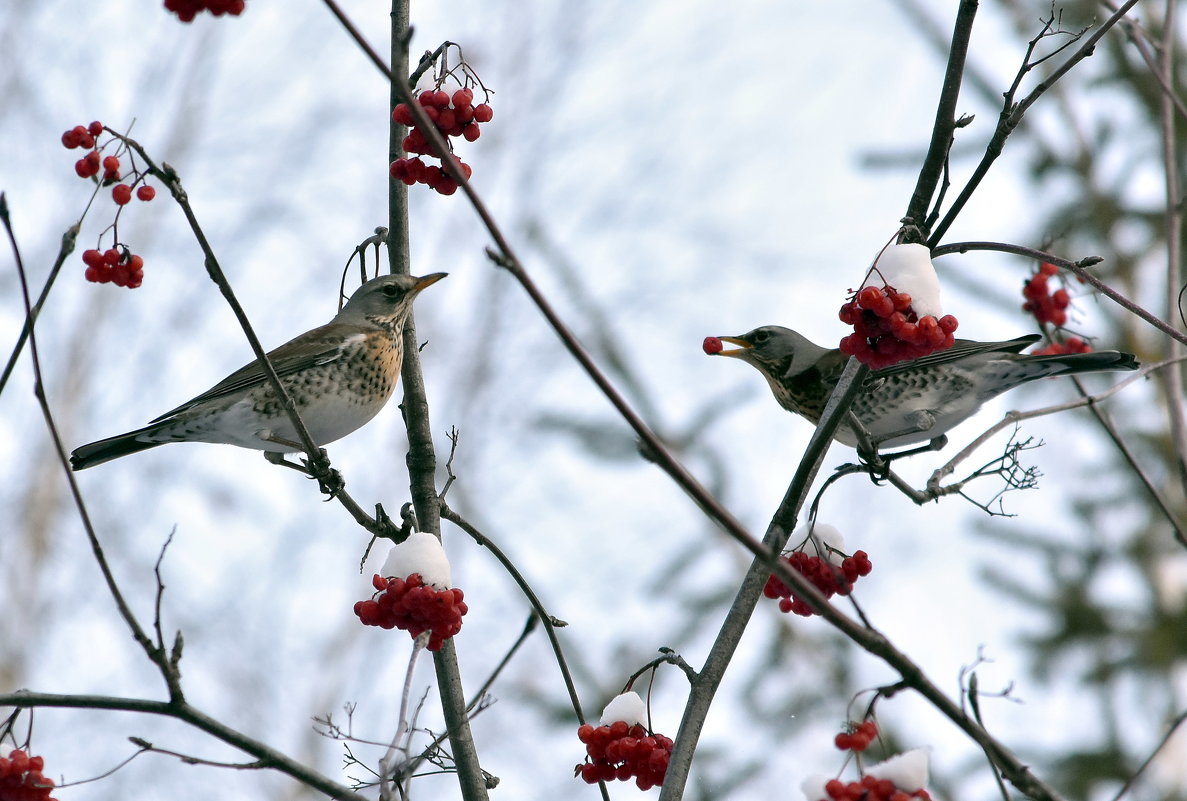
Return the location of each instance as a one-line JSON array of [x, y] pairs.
[[909, 402]]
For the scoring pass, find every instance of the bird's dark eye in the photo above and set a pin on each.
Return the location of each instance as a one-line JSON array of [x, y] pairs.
[[759, 337], [391, 291]]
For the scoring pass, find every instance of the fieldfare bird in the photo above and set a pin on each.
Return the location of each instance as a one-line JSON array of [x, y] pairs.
[[913, 401], [339, 376]]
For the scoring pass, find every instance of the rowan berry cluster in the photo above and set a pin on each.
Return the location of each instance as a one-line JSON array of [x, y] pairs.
[[118, 266], [1045, 305], [858, 736], [621, 751], [886, 330], [412, 606], [186, 10], [869, 788], [21, 778], [829, 578], [453, 115]]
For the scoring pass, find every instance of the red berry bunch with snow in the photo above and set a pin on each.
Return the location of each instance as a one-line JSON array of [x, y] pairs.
[[896, 313], [857, 736], [186, 10], [829, 578], [899, 778], [116, 265], [21, 778], [423, 600], [832, 574], [410, 605], [454, 116], [1045, 305], [624, 749]]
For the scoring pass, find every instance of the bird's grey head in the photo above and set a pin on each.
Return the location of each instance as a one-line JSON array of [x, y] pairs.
[[386, 300], [776, 351]]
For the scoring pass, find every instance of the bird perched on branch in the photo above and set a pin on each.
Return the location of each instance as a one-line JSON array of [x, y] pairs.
[[909, 402], [339, 376]]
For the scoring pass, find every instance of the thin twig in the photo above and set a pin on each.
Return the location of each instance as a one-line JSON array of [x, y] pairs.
[[180, 710], [158, 657], [1080, 268], [1012, 114]]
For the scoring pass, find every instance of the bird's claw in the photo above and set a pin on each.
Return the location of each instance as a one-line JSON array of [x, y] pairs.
[[329, 480]]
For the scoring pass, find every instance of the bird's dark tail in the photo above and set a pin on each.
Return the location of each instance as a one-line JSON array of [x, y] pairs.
[[1094, 361], [111, 448]]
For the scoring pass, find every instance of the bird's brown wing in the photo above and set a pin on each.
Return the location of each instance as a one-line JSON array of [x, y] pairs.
[[318, 346], [962, 349]]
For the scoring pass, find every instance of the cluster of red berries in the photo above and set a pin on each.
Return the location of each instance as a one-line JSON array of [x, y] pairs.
[[21, 779], [886, 330], [829, 579], [415, 607], [1069, 345], [453, 115], [858, 737], [621, 751], [118, 266], [186, 10], [85, 136], [870, 789], [1045, 305]]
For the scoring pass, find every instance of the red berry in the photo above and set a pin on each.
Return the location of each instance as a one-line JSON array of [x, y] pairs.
[[483, 113], [72, 138], [427, 98], [446, 119], [402, 114], [712, 345], [463, 97], [145, 193], [843, 741], [471, 132], [1046, 268], [111, 163], [121, 194], [95, 128], [869, 297]]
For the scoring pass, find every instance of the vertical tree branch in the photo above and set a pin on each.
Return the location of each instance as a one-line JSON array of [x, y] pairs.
[[1172, 377], [422, 460], [945, 122]]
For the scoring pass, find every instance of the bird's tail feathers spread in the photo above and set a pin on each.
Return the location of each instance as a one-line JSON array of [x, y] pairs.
[[111, 448]]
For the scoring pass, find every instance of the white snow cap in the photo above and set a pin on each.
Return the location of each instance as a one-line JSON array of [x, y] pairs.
[[813, 787], [824, 533], [908, 268], [907, 770], [628, 707], [420, 553]]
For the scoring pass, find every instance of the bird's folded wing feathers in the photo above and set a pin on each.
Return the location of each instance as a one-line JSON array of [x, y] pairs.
[[962, 349], [318, 346]]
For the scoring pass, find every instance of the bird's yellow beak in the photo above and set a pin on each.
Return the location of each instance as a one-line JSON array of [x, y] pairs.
[[742, 344], [428, 281]]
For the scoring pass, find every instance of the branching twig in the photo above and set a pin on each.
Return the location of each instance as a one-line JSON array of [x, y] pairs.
[[1080, 268], [181, 710]]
